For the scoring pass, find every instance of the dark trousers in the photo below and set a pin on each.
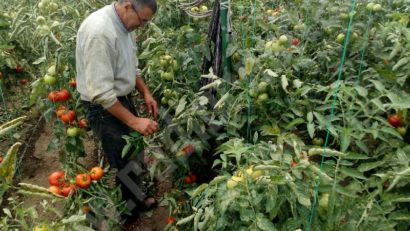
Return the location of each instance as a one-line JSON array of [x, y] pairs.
[[109, 130]]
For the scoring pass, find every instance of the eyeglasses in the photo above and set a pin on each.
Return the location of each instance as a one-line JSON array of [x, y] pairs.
[[141, 20]]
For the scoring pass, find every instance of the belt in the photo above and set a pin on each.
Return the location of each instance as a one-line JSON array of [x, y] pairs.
[[125, 100]]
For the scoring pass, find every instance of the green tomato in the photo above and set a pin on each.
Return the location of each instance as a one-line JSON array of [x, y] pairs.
[[340, 38], [299, 27], [256, 174], [203, 8], [283, 40], [167, 57], [49, 79], [164, 100], [276, 47], [163, 62], [53, 6], [318, 141], [175, 66], [253, 93], [344, 16], [43, 29], [354, 37], [41, 5], [168, 93], [72, 131], [401, 130], [175, 94], [171, 102], [262, 87], [263, 97], [369, 6], [40, 20], [167, 76], [377, 7], [40, 228], [230, 184], [324, 201]]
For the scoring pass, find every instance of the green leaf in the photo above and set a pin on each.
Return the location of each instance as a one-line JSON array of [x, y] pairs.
[[378, 103], [295, 123], [378, 85], [321, 119], [199, 190], [181, 105], [399, 216], [401, 62], [402, 101], [74, 219], [361, 90], [345, 139], [311, 130], [362, 146], [8, 166], [345, 192], [369, 166], [355, 156], [264, 223], [125, 150], [39, 60], [391, 131], [353, 173]]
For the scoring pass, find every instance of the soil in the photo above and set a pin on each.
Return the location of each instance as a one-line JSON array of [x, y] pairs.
[[38, 162]]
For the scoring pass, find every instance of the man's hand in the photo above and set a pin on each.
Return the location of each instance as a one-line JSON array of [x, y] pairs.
[[143, 125], [151, 105], [149, 100]]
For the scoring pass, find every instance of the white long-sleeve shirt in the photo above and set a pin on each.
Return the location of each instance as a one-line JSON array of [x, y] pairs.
[[106, 60]]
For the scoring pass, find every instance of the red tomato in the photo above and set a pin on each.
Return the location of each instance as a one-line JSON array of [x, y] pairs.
[[1, 159], [295, 41], [23, 81], [83, 123], [73, 83], [83, 180], [64, 95], [61, 110], [53, 96], [56, 178], [188, 180], [54, 189], [18, 69], [67, 190], [189, 149], [86, 209], [68, 117], [193, 178], [294, 164], [394, 120], [96, 173], [171, 220]]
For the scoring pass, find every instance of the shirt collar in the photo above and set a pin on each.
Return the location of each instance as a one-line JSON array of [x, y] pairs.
[[117, 19]]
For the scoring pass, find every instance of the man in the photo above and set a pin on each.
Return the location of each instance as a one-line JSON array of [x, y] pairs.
[[107, 72]]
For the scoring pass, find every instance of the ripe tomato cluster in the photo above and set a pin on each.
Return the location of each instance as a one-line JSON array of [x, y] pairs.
[[69, 117], [190, 179], [60, 185], [59, 96]]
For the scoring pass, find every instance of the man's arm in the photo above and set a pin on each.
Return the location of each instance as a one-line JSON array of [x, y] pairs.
[[143, 125], [149, 100]]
